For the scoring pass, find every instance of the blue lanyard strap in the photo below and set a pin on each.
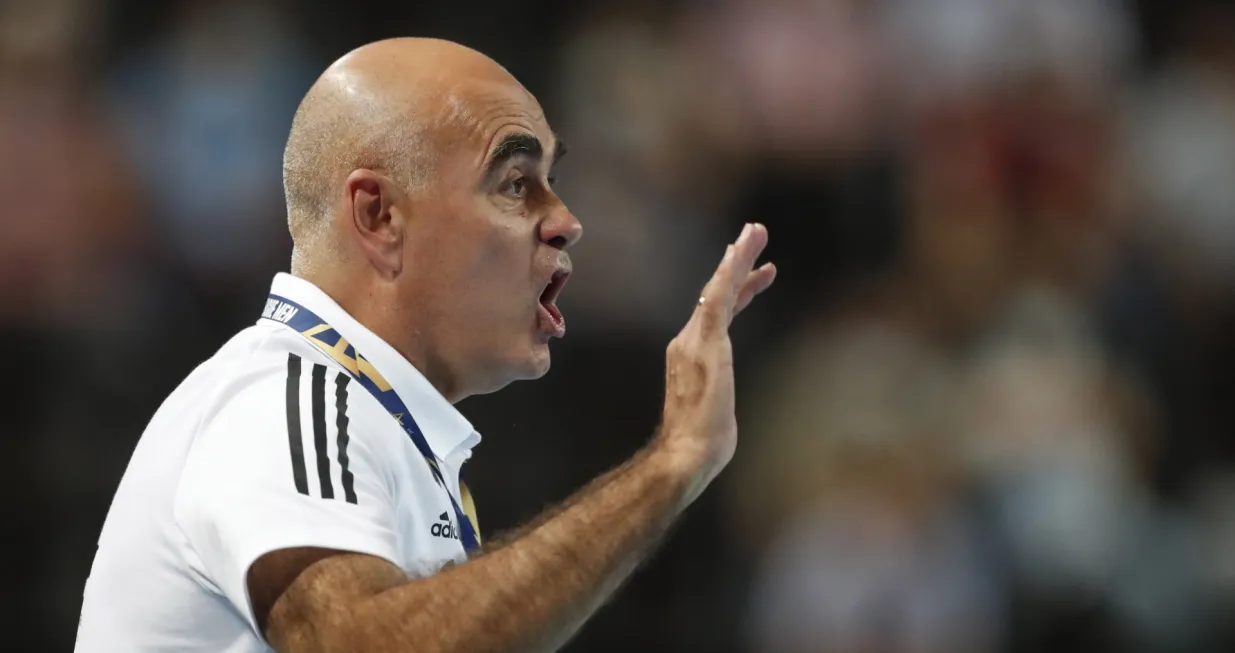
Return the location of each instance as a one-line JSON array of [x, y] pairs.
[[331, 342]]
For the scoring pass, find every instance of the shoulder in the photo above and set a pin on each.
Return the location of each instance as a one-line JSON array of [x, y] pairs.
[[277, 395], [289, 437], [268, 370]]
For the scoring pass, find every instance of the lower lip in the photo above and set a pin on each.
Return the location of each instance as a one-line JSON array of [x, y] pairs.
[[551, 321]]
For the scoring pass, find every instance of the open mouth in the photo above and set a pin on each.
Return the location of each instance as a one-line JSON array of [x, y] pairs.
[[551, 316]]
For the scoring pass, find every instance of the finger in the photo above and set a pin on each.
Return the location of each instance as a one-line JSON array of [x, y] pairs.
[[713, 292], [742, 255], [718, 302], [710, 312], [756, 282], [750, 245]]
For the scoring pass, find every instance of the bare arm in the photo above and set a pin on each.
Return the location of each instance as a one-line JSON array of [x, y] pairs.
[[534, 592]]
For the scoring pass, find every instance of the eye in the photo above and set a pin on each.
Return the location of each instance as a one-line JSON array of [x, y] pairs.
[[516, 188]]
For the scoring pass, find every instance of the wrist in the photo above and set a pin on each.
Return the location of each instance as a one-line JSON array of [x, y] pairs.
[[682, 459]]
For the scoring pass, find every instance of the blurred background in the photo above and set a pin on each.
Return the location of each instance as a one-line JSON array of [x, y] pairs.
[[987, 407]]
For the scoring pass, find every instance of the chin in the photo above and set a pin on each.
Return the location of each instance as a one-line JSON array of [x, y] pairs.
[[528, 365], [532, 363], [539, 362]]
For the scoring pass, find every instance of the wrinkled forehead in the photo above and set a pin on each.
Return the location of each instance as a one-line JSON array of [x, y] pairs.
[[483, 112]]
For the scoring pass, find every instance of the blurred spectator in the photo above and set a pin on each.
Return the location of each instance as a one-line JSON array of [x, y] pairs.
[[1041, 425], [808, 84], [206, 110], [885, 565], [1061, 441], [1007, 107], [860, 381], [1181, 151], [808, 76], [852, 491], [67, 228], [946, 48]]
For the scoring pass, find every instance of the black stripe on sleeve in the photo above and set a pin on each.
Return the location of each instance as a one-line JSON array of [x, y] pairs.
[[293, 424], [340, 402], [319, 430]]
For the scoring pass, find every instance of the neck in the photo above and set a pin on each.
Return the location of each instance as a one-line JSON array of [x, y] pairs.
[[372, 306]]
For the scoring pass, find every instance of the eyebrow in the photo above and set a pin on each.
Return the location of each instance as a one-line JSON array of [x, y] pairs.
[[520, 144]]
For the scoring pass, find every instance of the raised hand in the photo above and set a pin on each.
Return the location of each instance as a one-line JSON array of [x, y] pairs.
[[699, 421]]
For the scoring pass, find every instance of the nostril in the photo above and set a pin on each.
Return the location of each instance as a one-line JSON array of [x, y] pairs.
[[558, 242]]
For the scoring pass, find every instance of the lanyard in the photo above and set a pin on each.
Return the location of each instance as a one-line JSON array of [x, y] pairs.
[[331, 342]]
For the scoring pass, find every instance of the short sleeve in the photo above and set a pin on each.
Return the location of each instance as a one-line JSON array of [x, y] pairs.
[[281, 465]]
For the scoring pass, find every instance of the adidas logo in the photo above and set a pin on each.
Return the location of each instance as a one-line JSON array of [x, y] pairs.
[[444, 528]]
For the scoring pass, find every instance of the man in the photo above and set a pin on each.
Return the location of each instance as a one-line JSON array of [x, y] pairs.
[[300, 489]]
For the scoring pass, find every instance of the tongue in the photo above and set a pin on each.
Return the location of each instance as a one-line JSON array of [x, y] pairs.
[[557, 323], [553, 312]]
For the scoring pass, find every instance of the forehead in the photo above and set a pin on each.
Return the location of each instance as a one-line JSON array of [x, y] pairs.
[[487, 111]]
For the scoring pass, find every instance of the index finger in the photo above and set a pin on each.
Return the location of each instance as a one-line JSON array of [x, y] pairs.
[[749, 246], [718, 302]]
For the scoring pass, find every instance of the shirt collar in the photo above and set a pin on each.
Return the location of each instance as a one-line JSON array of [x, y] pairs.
[[445, 429]]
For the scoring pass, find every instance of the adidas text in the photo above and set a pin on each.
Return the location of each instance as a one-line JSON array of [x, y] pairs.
[[444, 528]]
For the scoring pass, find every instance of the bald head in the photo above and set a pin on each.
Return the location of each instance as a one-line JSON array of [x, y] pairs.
[[392, 106], [416, 170]]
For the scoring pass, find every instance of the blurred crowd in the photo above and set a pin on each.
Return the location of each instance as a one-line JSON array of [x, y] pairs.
[[987, 407]]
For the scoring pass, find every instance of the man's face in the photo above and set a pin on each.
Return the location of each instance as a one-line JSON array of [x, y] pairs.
[[486, 242]]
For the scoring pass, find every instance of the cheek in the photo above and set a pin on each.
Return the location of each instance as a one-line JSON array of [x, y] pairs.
[[461, 241], [495, 263]]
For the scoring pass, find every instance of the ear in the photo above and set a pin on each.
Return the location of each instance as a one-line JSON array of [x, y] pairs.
[[376, 224]]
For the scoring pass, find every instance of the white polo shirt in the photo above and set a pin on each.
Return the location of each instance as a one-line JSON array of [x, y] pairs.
[[268, 445]]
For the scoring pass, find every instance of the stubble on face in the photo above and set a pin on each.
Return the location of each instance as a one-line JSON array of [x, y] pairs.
[[481, 245]]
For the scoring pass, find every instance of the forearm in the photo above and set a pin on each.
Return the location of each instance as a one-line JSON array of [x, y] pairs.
[[534, 592], [506, 538]]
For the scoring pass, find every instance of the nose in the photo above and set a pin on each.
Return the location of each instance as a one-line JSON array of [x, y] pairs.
[[561, 228]]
